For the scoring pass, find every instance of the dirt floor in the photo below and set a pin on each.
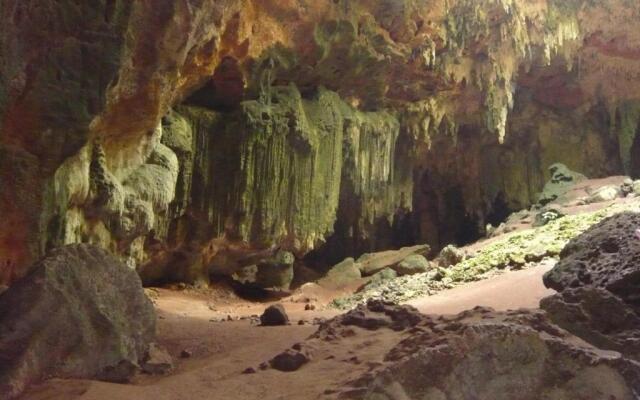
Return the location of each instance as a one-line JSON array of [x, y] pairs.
[[221, 349]]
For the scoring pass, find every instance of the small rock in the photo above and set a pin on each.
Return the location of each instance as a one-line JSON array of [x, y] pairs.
[[309, 307], [289, 360], [186, 353], [249, 370], [263, 366], [302, 322], [544, 217], [274, 315], [158, 361]]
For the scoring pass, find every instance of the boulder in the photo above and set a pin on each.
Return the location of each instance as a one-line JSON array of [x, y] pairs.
[[604, 193], [274, 315], [562, 180], [341, 274], [289, 360], [545, 216], [158, 361], [636, 187], [449, 256], [477, 354], [80, 313], [604, 256], [597, 278], [275, 273], [378, 279], [414, 264], [598, 317], [370, 263]]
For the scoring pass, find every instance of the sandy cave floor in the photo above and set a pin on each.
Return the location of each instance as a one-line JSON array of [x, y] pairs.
[[222, 350]]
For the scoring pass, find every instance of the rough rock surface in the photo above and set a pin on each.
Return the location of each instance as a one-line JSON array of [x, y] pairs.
[[153, 128], [478, 353], [274, 315], [289, 360], [526, 247], [80, 313], [158, 361], [561, 181], [598, 280], [341, 274], [604, 256], [371, 263], [597, 316], [414, 264]]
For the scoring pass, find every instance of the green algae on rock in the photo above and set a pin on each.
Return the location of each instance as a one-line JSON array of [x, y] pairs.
[[512, 251]]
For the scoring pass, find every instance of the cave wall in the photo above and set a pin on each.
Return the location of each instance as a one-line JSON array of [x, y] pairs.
[[173, 132]]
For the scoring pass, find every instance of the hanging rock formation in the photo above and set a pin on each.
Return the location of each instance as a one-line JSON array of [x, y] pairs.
[[180, 134]]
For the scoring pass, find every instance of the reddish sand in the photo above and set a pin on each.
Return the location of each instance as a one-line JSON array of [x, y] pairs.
[[222, 350]]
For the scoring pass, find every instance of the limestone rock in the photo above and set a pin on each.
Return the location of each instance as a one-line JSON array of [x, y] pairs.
[[605, 193], [80, 313], [381, 276], [598, 287], [598, 317], [413, 264], [290, 360], [636, 187], [545, 216], [273, 272], [276, 273], [450, 255], [371, 263], [158, 361], [341, 274], [604, 256], [562, 179], [274, 315], [478, 353]]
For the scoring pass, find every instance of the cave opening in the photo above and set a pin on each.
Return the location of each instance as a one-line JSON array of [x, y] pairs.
[[634, 155], [499, 211], [224, 91]]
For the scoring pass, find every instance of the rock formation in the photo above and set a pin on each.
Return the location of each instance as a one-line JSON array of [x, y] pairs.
[[478, 353], [175, 133], [80, 313], [598, 282]]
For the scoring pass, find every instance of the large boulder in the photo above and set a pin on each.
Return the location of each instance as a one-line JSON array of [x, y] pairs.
[[597, 316], [604, 256], [370, 263], [598, 280], [414, 264], [561, 181], [342, 274], [80, 313]]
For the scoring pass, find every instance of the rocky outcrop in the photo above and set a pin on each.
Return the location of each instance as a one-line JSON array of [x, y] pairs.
[[153, 129], [80, 313], [397, 353], [597, 278]]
